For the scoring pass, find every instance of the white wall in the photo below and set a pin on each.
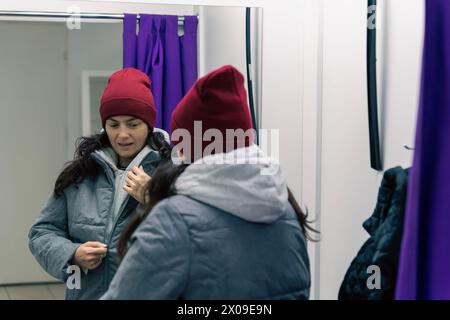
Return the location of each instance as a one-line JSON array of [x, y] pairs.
[[346, 187], [94, 47], [314, 89], [33, 144], [403, 28], [222, 41], [229, 48]]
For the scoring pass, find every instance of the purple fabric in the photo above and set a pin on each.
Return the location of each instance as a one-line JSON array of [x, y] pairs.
[[424, 270], [169, 60]]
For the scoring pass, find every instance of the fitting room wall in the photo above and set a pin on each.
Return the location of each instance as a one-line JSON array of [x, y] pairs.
[[28, 136], [336, 120]]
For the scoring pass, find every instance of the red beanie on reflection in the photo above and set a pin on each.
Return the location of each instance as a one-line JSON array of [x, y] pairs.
[[219, 101], [128, 94]]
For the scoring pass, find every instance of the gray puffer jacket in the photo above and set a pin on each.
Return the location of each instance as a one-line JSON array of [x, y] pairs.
[[229, 233], [95, 210]]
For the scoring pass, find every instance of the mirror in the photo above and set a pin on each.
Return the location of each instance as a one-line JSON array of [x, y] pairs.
[[53, 73]]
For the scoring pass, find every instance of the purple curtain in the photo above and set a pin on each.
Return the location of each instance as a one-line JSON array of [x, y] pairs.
[[169, 60], [424, 270]]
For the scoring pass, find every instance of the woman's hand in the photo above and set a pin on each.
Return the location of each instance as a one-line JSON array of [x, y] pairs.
[[136, 184], [89, 255]]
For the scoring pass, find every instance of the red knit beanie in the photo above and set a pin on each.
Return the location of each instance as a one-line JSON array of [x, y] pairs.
[[128, 93], [219, 100]]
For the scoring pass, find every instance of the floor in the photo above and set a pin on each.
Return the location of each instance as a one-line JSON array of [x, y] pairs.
[[54, 291]]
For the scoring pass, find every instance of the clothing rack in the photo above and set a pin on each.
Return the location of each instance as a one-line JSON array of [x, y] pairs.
[[45, 14]]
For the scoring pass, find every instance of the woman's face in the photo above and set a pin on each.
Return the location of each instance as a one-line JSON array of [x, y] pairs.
[[127, 135]]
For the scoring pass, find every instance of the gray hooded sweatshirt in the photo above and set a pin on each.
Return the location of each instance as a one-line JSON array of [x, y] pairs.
[[229, 233]]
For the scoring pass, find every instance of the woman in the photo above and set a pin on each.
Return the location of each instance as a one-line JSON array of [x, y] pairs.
[[91, 201], [215, 230]]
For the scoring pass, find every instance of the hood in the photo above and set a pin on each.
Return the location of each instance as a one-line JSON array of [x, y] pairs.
[[109, 157], [243, 182]]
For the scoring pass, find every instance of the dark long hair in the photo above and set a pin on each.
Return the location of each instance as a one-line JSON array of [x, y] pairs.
[[163, 186], [83, 165]]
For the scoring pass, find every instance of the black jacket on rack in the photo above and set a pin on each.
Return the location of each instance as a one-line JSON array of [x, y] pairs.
[[382, 249]]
